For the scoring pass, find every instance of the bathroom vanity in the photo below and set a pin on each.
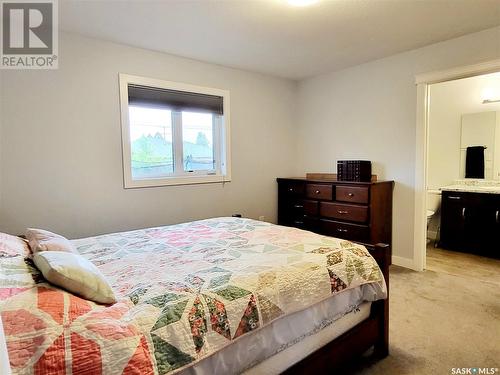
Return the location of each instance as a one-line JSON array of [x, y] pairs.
[[470, 218]]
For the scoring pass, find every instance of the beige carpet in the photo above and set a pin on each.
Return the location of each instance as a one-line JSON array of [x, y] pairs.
[[447, 316]]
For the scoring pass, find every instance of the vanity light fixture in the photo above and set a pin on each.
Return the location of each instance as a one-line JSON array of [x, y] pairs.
[[488, 101], [490, 95], [301, 3]]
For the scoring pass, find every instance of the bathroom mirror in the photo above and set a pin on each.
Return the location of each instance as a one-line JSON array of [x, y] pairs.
[[480, 138]]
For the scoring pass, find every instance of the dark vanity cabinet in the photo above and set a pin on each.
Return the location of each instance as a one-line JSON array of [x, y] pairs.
[[471, 222], [492, 223]]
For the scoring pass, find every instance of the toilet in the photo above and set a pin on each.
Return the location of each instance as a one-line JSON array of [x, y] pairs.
[[430, 214], [433, 206]]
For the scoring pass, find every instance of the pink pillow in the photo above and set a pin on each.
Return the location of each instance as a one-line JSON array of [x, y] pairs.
[[43, 240], [11, 246]]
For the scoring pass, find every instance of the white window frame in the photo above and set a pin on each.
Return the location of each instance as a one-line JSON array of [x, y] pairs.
[[221, 129]]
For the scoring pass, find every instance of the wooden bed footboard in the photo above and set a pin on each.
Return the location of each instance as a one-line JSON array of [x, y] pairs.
[[372, 332]]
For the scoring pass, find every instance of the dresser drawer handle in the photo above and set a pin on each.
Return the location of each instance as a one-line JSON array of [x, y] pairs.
[[351, 194], [341, 230], [455, 198], [298, 206], [496, 217], [317, 191], [343, 212], [290, 190], [298, 222]]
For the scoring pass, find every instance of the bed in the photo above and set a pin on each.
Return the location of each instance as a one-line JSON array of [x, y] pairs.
[[224, 295]]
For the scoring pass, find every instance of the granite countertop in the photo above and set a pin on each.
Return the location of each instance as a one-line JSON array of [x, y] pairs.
[[474, 186]]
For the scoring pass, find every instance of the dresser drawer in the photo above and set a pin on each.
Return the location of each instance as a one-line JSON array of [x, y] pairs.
[[311, 208], [354, 194], [341, 211], [311, 223], [292, 188], [354, 232], [317, 191]]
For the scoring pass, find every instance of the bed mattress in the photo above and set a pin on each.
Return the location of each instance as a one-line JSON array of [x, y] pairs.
[[286, 341], [293, 354]]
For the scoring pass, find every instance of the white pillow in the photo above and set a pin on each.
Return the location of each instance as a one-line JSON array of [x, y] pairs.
[[75, 274], [12, 246], [43, 240]]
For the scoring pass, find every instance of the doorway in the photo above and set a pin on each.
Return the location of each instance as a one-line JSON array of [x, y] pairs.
[[425, 87]]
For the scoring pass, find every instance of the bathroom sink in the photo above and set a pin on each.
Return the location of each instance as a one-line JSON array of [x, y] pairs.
[[490, 189]]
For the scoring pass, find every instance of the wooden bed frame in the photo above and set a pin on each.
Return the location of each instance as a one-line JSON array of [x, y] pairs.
[[373, 331]]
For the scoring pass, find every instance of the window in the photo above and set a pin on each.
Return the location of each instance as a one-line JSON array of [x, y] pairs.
[[173, 133]]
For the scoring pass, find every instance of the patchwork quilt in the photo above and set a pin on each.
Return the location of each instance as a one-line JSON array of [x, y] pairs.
[[185, 292]]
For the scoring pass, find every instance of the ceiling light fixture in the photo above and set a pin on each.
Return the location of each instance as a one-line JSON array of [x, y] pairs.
[[301, 3]]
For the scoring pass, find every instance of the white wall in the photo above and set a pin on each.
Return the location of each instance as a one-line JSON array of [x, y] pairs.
[[369, 112], [448, 102], [57, 174], [61, 146]]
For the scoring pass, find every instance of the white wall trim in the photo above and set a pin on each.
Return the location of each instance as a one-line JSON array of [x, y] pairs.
[[458, 72], [404, 262], [423, 81], [420, 219]]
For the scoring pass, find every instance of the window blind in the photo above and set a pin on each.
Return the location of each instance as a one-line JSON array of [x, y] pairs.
[[176, 100]]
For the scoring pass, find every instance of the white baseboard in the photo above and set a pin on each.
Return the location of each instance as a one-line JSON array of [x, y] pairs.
[[403, 262]]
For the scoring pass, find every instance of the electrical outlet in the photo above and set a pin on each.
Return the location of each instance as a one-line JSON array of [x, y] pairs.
[[262, 218]]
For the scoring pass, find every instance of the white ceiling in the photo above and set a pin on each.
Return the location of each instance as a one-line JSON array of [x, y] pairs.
[[270, 36]]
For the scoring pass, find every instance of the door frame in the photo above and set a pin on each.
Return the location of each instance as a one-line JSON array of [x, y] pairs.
[[423, 82]]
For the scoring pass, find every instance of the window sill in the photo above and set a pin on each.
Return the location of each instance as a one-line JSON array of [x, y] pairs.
[[181, 180]]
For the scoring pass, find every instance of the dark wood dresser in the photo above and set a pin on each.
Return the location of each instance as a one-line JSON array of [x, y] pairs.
[[357, 211]]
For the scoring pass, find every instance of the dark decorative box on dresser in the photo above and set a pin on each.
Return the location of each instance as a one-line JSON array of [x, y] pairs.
[[357, 211]]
